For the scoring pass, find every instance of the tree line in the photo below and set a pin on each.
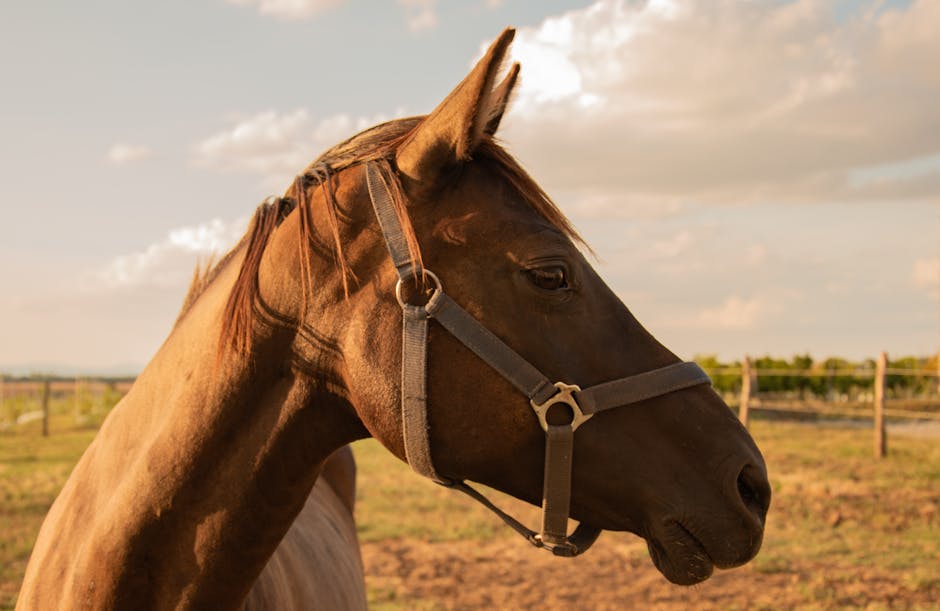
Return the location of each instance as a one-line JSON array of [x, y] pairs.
[[806, 377]]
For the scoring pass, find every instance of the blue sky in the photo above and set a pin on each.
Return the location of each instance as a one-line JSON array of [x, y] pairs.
[[757, 177]]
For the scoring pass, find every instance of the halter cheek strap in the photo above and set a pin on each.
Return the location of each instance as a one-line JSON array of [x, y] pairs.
[[541, 392]]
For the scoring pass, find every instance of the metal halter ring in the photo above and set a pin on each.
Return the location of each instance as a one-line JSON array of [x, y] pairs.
[[414, 274], [564, 395]]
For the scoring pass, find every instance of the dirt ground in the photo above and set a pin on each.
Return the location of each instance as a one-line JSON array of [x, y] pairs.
[[615, 574], [845, 531]]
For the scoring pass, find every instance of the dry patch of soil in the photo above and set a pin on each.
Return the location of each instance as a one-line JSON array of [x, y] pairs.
[[845, 531], [615, 574]]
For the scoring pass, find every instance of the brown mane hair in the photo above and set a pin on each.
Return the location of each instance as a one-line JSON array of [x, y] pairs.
[[377, 144]]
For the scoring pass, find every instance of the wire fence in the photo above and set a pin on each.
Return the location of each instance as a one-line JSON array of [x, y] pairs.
[[68, 402], [872, 391], [910, 393]]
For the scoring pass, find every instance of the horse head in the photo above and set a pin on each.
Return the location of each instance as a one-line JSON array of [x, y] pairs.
[[676, 467]]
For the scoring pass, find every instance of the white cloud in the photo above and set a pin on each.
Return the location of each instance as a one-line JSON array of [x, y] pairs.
[[596, 204], [674, 246], [926, 274], [276, 145], [169, 262], [269, 143], [290, 9], [733, 313], [755, 254], [120, 153], [730, 101], [420, 14]]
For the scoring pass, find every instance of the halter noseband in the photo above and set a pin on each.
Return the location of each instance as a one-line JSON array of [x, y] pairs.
[[542, 394]]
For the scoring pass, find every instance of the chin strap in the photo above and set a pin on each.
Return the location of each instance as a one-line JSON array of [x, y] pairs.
[[577, 543], [542, 394]]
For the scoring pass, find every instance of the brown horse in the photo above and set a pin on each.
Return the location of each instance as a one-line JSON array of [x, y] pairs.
[[291, 348]]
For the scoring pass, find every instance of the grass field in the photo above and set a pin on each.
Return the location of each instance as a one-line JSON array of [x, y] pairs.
[[844, 531]]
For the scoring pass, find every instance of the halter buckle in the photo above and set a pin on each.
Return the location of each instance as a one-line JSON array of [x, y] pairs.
[[564, 548], [564, 395]]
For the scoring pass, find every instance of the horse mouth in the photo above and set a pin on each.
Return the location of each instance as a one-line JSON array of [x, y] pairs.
[[680, 556]]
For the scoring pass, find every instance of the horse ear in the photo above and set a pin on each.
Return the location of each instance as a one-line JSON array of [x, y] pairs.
[[452, 131], [501, 97]]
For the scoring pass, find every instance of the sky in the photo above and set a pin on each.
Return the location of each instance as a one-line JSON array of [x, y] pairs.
[[756, 177]]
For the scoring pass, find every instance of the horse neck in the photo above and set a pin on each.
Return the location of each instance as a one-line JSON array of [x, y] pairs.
[[194, 477]]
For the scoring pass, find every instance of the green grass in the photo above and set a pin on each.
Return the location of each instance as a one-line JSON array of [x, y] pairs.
[[32, 471], [392, 502], [839, 517]]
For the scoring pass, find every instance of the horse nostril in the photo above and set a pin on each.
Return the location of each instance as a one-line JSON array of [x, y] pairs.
[[754, 490]]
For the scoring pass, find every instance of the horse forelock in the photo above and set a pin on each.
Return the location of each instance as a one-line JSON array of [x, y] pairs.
[[376, 144]]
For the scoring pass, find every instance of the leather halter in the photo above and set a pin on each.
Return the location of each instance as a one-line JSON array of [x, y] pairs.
[[542, 394]]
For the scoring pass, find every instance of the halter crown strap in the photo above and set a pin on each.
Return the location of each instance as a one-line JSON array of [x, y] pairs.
[[542, 394], [389, 222], [414, 354]]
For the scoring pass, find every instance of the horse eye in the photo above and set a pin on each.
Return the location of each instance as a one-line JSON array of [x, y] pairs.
[[548, 278]]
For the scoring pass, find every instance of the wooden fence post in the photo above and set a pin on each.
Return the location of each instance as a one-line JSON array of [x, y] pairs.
[[880, 440], [745, 390], [46, 391]]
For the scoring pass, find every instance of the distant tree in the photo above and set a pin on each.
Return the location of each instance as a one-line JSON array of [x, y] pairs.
[[828, 378], [899, 384], [723, 382], [804, 383], [773, 382]]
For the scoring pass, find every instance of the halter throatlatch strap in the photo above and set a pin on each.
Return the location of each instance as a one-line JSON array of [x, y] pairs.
[[542, 394]]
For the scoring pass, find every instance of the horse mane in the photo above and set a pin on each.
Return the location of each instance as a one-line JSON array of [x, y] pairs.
[[377, 144]]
